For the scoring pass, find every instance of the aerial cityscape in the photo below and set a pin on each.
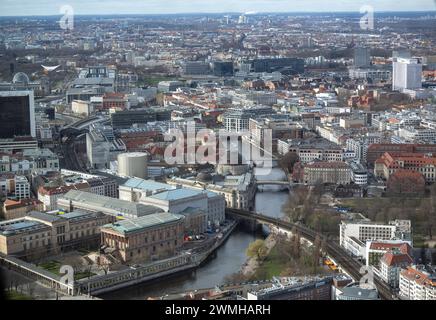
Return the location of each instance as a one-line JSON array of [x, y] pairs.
[[218, 150]]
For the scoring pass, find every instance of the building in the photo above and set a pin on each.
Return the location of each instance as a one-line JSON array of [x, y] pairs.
[[13, 209], [417, 283], [116, 101], [359, 174], [85, 201], [152, 237], [29, 161], [238, 191], [376, 150], [372, 74], [390, 163], [127, 118], [18, 144], [38, 234], [359, 147], [86, 93], [22, 188], [353, 235], [295, 288], [82, 107], [186, 201], [98, 184], [170, 86], [390, 266], [375, 250], [407, 74], [362, 57], [17, 114], [237, 120], [334, 172], [21, 82], [354, 291], [196, 68], [50, 195], [132, 164], [97, 149], [293, 65], [309, 150], [178, 200], [14, 186], [223, 68], [175, 199]]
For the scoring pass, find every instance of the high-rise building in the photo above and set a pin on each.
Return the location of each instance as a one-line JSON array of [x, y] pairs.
[[407, 74], [278, 64], [132, 164], [17, 114], [223, 68], [196, 68], [362, 57]]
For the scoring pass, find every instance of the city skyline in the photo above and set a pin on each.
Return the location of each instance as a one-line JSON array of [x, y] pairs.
[[95, 7]]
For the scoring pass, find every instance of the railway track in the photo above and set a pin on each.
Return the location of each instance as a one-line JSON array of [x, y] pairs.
[[351, 266]]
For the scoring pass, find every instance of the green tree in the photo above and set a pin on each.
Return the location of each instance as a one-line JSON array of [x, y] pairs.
[[257, 249]]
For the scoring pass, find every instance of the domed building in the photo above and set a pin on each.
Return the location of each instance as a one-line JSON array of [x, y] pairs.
[[21, 82], [230, 168], [21, 78], [204, 177]]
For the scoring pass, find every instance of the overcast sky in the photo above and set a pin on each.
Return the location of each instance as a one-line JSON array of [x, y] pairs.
[[52, 7]]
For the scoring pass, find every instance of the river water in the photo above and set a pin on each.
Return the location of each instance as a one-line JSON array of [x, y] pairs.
[[230, 256]]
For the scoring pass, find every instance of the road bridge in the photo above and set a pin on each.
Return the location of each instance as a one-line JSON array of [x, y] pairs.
[[351, 266]]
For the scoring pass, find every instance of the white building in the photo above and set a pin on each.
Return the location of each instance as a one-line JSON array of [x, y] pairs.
[[132, 164], [353, 235], [97, 149], [416, 283], [174, 198], [391, 265], [407, 74], [22, 187], [82, 107]]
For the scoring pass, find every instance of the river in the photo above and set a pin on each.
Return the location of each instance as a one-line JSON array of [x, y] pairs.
[[229, 259]]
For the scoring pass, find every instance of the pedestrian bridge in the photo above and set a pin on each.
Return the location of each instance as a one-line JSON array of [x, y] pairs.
[[273, 182]]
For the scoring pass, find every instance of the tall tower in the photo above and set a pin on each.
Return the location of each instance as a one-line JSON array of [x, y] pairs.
[[362, 57], [17, 114], [407, 74]]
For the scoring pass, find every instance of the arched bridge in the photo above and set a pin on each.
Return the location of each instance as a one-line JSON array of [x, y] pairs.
[[347, 263], [272, 182]]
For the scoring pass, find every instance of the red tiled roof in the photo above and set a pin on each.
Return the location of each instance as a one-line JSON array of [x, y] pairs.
[[61, 190], [396, 259], [403, 247], [417, 276]]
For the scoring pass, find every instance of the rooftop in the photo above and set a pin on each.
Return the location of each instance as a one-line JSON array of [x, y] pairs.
[[149, 185], [126, 226], [109, 205], [360, 293], [177, 194]]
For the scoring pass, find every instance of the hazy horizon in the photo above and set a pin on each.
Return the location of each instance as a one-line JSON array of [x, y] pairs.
[[156, 7]]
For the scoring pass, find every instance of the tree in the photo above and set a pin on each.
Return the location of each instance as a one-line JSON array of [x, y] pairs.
[[316, 253], [288, 161], [257, 249], [296, 243]]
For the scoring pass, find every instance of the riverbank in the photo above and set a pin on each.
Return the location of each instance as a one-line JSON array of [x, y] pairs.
[[252, 264]]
